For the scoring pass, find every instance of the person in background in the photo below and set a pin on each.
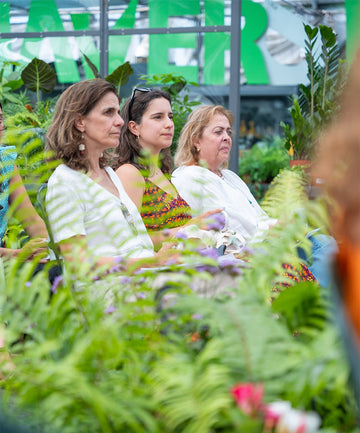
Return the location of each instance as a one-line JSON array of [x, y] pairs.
[[14, 196], [87, 205], [202, 178], [337, 164], [204, 182], [144, 164]]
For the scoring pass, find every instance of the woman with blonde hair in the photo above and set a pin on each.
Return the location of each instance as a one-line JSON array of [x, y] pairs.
[[202, 178], [204, 182]]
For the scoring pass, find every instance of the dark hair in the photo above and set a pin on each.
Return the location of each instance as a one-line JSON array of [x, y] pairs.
[[63, 137], [129, 150]]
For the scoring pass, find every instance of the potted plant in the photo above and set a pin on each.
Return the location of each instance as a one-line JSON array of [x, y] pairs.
[[259, 165], [316, 104]]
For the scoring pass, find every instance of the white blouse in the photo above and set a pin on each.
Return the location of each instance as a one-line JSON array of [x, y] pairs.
[[204, 190], [77, 205]]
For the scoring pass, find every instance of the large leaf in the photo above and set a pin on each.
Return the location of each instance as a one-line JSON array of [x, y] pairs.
[[302, 307], [177, 87], [91, 65], [120, 76], [13, 80], [38, 75]]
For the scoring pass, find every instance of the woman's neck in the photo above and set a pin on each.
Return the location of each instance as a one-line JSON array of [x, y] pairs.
[[94, 167], [154, 165], [217, 172], [214, 168]]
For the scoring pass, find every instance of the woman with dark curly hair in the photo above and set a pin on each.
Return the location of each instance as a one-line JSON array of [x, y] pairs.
[[144, 163]]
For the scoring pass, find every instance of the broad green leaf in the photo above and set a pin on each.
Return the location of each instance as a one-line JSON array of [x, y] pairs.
[[38, 75], [120, 76]]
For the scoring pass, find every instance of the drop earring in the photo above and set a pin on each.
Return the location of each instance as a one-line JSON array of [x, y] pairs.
[[82, 146]]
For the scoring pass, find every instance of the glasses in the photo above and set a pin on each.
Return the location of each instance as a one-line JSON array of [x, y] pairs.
[[136, 89]]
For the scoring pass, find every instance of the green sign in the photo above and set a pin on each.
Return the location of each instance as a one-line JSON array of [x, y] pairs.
[[352, 28], [44, 17]]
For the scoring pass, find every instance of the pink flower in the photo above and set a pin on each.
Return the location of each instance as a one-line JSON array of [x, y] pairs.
[[248, 397]]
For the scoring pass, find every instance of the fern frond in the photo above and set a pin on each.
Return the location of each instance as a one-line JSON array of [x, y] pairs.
[[191, 392], [286, 195]]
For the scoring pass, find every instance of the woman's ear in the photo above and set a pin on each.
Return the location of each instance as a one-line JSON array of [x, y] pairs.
[[196, 142], [79, 123], [133, 128]]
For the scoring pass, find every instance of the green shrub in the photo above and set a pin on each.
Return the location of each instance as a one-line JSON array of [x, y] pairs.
[[263, 162], [101, 356]]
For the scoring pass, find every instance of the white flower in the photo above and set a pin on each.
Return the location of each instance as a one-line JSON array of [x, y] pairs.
[[297, 421]]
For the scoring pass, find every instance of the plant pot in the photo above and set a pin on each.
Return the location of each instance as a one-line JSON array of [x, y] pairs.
[[300, 162], [306, 163], [315, 181]]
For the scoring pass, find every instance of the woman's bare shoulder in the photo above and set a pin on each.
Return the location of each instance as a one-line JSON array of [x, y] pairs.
[[128, 169], [128, 172]]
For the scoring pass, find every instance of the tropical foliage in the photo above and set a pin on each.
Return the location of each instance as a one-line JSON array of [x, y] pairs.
[[119, 77], [316, 103], [203, 347], [169, 350]]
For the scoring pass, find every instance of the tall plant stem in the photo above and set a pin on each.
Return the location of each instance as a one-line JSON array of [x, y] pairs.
[[311, 80], [326, 69]]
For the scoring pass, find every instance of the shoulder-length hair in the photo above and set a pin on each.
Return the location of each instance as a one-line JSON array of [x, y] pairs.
[[129, 150], [186, 153], [62, 137]]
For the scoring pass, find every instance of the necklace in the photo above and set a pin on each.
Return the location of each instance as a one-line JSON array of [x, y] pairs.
[[217, 172]]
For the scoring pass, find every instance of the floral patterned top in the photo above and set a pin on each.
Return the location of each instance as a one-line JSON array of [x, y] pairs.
[[160, 210]]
